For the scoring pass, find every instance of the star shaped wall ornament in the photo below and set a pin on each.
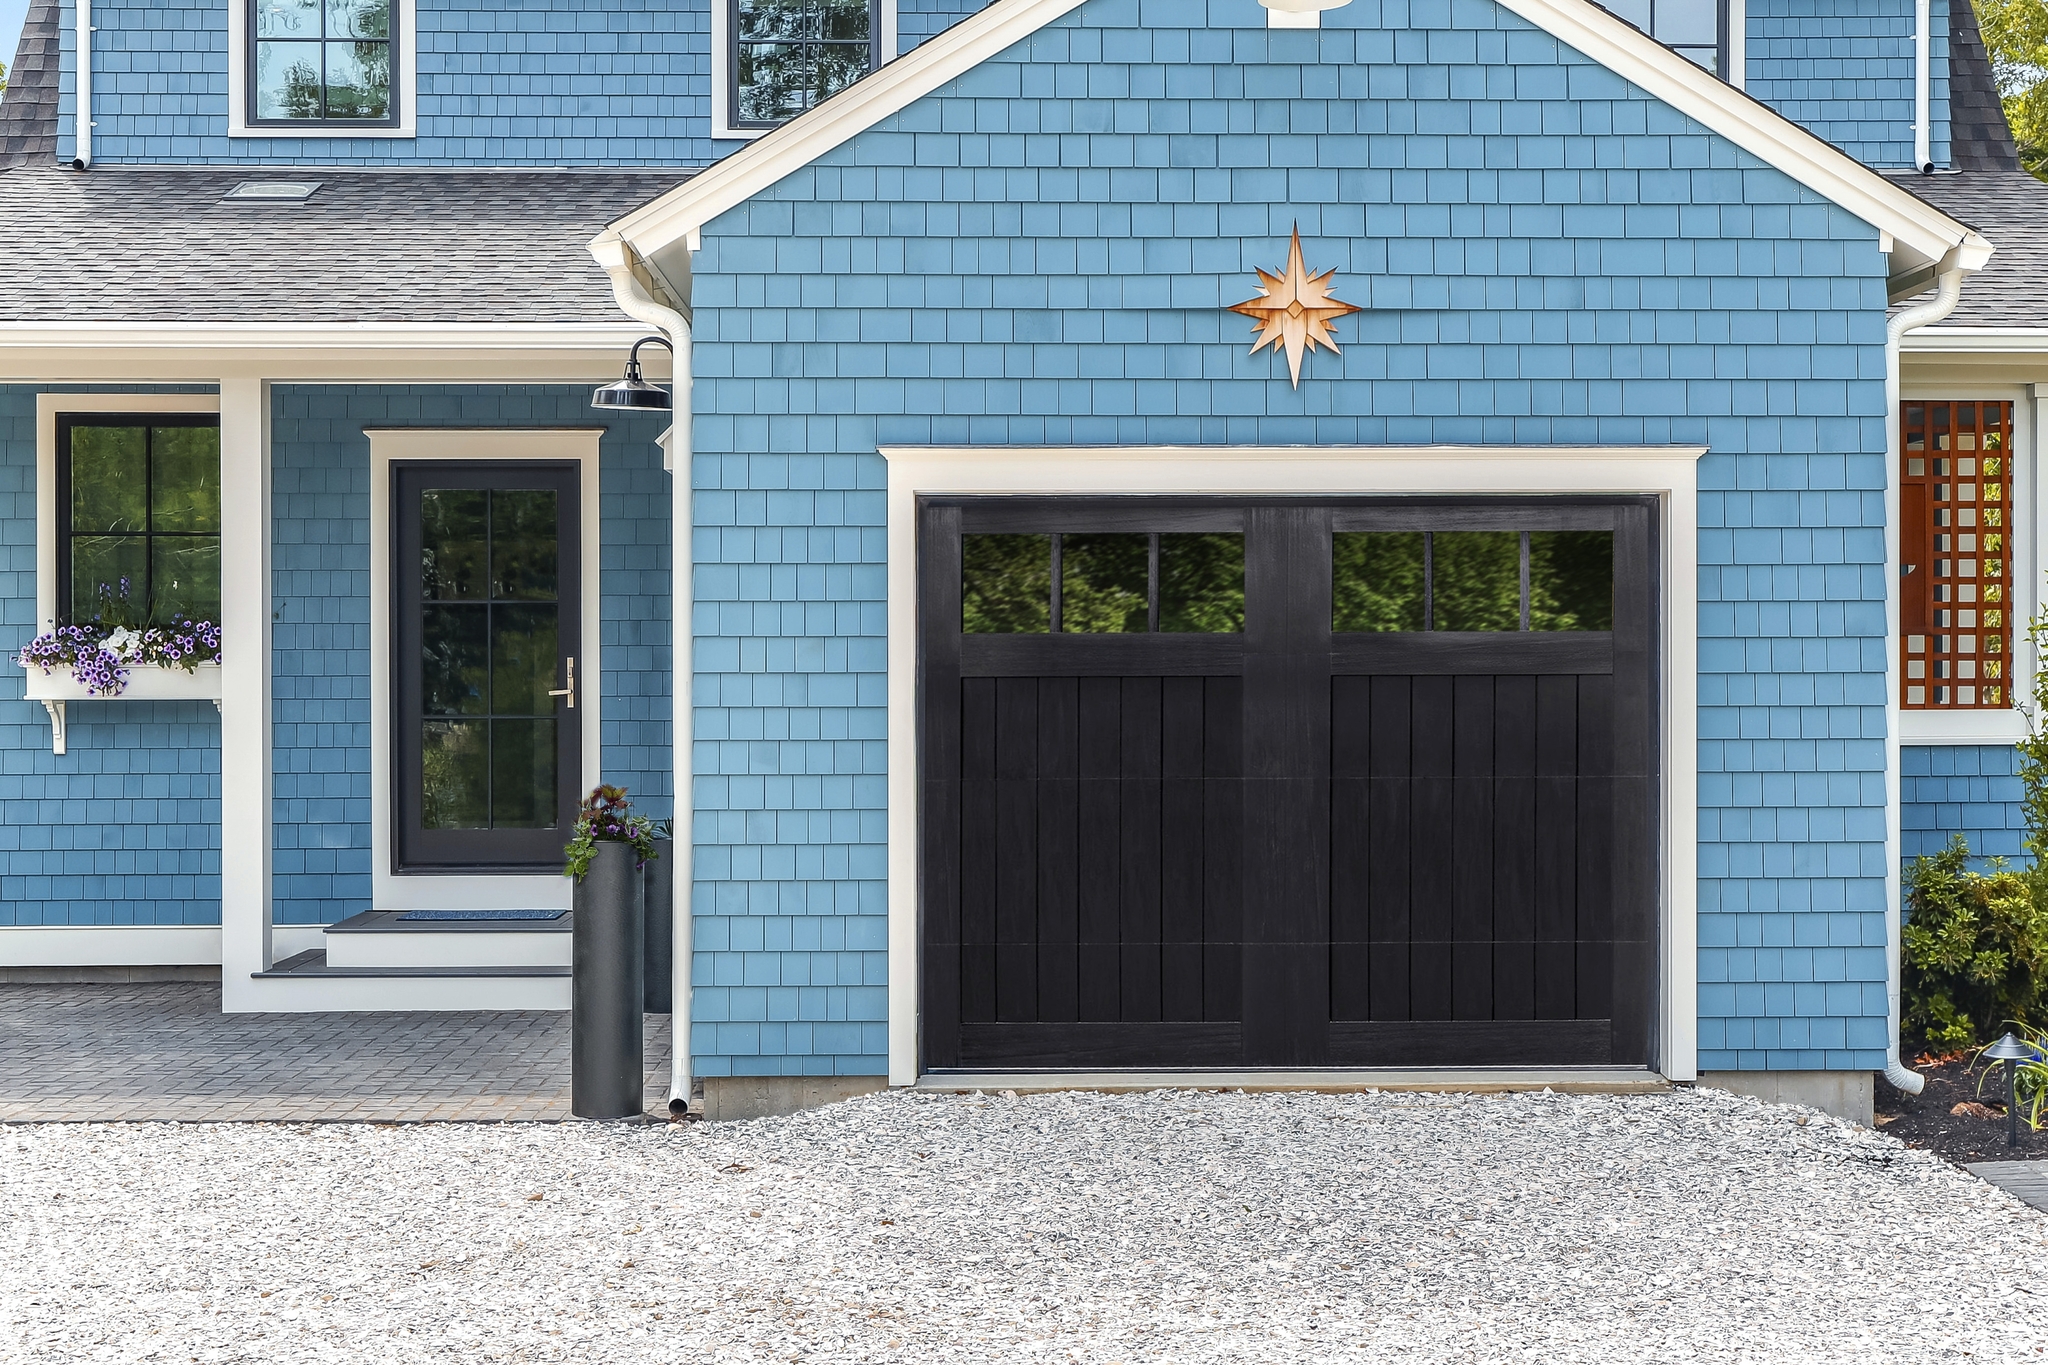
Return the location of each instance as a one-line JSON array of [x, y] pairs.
[[1294, 310]]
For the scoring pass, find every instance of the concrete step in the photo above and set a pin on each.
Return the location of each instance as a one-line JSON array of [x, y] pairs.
[[381, 940], [307, 981]]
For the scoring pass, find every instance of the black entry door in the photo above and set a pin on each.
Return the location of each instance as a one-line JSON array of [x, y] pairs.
[[1282, 783], [486, 593]]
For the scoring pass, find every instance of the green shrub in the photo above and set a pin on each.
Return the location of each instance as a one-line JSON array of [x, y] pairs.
[[1975, 949]]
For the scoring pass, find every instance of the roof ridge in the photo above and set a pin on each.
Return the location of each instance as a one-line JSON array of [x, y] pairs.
[[28, 111]]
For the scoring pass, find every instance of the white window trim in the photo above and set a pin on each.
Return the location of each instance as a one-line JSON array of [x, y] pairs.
[[427, 891], [2030, 501], [405, 68], [723, 76], [1669, 472]]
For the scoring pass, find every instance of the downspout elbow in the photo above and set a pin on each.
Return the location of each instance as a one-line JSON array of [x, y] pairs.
[[1947, 294]]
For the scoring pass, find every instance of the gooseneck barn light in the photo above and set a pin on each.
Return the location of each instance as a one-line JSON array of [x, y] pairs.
[[634, 393]]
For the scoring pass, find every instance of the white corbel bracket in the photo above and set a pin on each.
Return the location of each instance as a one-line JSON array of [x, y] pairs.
[[56, 710]]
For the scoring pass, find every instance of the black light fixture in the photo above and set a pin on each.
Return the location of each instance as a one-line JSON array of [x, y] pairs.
[[2012, 1052], [634, 393]]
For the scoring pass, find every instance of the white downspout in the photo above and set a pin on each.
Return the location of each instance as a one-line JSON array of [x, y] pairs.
[[617, 259], [1923, 86], [83, 158], [1948, 293]]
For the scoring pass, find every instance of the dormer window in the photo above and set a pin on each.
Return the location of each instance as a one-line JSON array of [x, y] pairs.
[[1695, 29], [322, 62], [787, 56]]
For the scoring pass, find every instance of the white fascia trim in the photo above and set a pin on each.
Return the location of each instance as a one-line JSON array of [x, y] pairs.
[[1977, 340], [372, 336], [1923, 233], [110, 945], [407, 72], [389, 890], [1669, 472], [49, 406]]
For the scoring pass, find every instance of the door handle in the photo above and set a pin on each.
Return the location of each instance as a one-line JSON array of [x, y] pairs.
[[570, 690]]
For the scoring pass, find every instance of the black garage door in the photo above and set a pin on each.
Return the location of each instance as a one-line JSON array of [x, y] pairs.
[[1287, 783]]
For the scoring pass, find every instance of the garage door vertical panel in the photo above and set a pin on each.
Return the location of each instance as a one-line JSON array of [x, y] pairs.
[[980, 835], [1139, 893], [1597, 790], [1514, 847], [1557, 847], [1222, 849], [1099, 864], [1431, 849], [1470, 836], [1388, 818], [939, 783], [1058, 816], [1016, 936], [1181, 832], [1287, 791], [1638, 814], [1350, 847]]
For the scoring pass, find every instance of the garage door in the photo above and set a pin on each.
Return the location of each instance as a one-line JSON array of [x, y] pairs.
[[1279, 783]]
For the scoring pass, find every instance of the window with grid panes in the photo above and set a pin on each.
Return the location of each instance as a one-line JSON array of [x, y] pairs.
[[1955, 585]]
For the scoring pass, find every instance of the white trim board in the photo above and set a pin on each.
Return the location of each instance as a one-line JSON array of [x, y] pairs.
[[1670, 472], [1921, 234], [405, 71], [389, 890], [110, 945]]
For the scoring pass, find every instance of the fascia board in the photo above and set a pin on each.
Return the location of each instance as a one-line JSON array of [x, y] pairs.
[[1976, 340], [1923, 233], [384, 336]]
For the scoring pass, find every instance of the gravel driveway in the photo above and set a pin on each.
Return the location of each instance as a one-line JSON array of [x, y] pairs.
[[903, 1227]]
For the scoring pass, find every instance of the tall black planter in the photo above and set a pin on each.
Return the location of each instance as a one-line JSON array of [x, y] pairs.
[[660, 955], [605, 1059]]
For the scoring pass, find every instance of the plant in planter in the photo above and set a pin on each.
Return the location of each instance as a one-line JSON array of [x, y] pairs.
[[100, 652], [607, 817]]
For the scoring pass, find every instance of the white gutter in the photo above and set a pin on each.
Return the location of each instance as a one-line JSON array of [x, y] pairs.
[[617, 258], [1923, 86], [1948, 292], [83, 157]]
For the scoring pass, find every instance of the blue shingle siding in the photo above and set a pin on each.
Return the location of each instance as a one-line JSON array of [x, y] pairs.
[[1039, 254], [321, 642], [917, 20], [501, 82], [1844, 68], [124, 828], [1967, 789]]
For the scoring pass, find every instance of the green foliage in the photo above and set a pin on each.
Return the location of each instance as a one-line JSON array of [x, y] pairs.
[[2016, 37], [606, 816], [2030, 1085], [1975, 949]]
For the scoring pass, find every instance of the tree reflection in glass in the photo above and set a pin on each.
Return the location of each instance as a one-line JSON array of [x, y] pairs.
[[1005, 584], [1376, 580], [1201, 582]]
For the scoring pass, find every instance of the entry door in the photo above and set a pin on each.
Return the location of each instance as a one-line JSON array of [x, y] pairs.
[[488, 757], [1284, 783]]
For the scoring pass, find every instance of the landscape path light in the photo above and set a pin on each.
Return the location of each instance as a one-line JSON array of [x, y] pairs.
[[2011, 1051]]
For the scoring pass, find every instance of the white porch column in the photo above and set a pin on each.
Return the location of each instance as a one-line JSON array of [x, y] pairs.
[[245, 779]]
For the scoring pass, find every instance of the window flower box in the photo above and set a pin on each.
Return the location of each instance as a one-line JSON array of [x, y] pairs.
[[97, 662], [146, 682]]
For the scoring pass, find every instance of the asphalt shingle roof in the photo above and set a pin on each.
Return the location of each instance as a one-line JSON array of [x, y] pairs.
[[2010, 208], [28, 111], [127, 244], [1979, 137]]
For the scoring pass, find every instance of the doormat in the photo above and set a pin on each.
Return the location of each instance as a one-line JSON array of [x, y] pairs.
[[481, 914]]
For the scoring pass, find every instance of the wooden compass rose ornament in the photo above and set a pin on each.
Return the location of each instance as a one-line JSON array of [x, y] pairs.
[[1294, 310]]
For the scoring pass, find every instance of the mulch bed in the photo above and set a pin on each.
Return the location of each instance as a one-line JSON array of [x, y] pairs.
[[1951, 1118]]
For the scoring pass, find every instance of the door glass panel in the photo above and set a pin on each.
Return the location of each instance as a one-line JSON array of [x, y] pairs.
[[1376, 580], [1005, 584], [490, 650], [1201, 582], [523, 773], [455, 774], [1103, 583], [1571, 580], [1476, 580]]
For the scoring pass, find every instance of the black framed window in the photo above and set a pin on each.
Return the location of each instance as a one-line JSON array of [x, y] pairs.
[[790, 55], [1695, 29], [138, 520], [322, 61]]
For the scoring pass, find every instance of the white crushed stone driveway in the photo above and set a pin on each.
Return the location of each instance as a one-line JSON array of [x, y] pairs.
[[1175, 1226]]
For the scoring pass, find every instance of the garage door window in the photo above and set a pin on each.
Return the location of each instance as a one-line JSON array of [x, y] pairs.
[[1472, 581], [1102, 583]]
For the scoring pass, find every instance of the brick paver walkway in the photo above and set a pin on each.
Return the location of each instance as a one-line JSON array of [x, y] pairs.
[[2026, 1180], [165, 1051]]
